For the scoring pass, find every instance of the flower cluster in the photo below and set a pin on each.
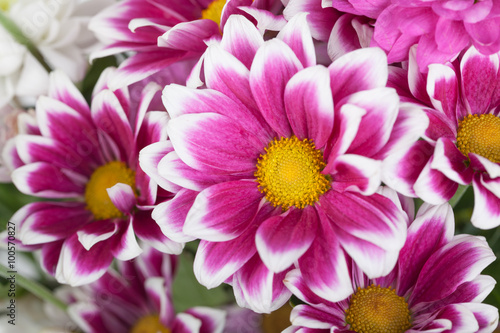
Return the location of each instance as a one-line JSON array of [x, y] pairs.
[[302, 151]]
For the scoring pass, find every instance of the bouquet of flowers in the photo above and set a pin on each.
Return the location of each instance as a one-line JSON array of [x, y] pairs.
[[250, 166]]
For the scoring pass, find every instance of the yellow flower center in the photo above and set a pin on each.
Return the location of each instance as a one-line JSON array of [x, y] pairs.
[[289, 173], [213, 11], [5, 4], [149, 324], [378, 310], [104, 177], [480, 134]]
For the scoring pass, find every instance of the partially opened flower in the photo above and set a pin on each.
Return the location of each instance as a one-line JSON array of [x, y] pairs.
[[89, 158], [164, 35], [137, 298], [462, 143], [286, 157], [435, 287]]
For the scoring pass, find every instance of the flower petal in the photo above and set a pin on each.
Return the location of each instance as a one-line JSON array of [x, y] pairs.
[[189, 36], [433, 186], [222, 212], [282, 239], [309, 105], [149, 159], [297, 35], [96, 232], [212, 320], [356, 173], [273, 66], [125, 246], [486, 213], [451, 162]]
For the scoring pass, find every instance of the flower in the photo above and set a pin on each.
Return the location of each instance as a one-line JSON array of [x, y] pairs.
[[462, 143], [137, 297], [164, 35], [89, 158], [436, 286], [268, 117], [59, 31]]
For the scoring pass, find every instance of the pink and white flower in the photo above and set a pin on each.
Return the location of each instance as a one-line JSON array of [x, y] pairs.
[[165, 35], [436, 286], [137, 297], [88, 156], [462, 143], [330, 127]]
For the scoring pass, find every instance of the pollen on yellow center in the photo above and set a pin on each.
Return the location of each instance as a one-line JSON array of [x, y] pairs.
[[149, 324], [480, 134], [104, 177], [378, 310], [289, 173], [213, 11]]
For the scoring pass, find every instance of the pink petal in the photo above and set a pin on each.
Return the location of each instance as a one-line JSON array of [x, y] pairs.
[[123, 197], [433, 228], [451, 162], [189, 36], [442, 87], [311, 317], [309, 105], [241, 39], [359, 70], [273, 66], [225, 145], [160, 295], [77, 266], [282, 239], [486, 213], [48, 222], [96, 232], [148, 231], [356, 173], [45, 180], [124, 242], [213, 320], [149, 159], [257, 288], [222, 212], [443, 273], [324, 266], [62, 89], [110, 117], [479, 78], [433, 186], [171, 215], [485, 314], [297, 35]]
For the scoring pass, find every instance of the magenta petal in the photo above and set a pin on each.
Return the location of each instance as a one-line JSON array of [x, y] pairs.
[[223, 211], [45, 180], [259, 289], [322, 321], [226, 145], [451, 162], [297, 35], [356, 173], [382, 106], [78, 266], [60, 122], [171, 215], [148, 231], [296, 284], [212, 320], [62, 89], [273, 66], [215, 262], [442, 87], [46, 222], [160, 294], [124, 243], [324, 266], [462, 319], [479, 79], [433, 228], [433, 186], [282, 239], [443, 273], [359, 70], [485, 314], [96, 232], [149, 159], [185, 323], [110, 117], [241, 39], [123, 197], [189, 36], [88, 316], [309, 105], [486, 213]]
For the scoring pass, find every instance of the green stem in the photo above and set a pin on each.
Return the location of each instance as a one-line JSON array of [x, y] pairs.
[[458, 195], [18, 35], [34, 287]]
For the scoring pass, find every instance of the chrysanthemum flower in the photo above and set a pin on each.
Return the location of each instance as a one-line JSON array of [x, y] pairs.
[[137, 298], [435, 287], [285, 154], [441, 28], [462, 143], [89, 158], [163, 34]]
